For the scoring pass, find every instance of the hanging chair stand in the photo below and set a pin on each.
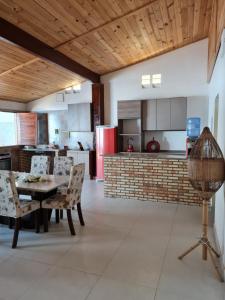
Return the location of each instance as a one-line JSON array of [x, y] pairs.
[[205, 243], [206, 172]]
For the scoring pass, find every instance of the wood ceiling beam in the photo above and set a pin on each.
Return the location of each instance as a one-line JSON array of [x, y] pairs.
[[19, 37]]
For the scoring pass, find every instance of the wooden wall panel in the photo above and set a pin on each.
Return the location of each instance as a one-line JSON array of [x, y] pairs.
[[217, 25], [26, 128]]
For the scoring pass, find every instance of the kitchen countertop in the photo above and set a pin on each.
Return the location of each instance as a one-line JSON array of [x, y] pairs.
[[42, 150], [160, 155]]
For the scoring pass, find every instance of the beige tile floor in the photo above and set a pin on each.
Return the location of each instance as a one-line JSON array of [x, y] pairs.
[[127, 251]]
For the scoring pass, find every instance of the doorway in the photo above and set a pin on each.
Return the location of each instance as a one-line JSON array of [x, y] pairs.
[[215, 134]]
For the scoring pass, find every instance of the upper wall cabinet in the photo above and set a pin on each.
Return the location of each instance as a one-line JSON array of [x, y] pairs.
[[79, 117], [129, 109], [178, 112], [165, 114], [149, 114]]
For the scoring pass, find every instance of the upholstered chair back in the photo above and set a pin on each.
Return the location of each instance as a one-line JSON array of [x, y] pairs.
[[62, 165], [75, 185], [39, 165], [9, 201]]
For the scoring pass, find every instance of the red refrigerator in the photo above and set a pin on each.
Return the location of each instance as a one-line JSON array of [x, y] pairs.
[[106, 143]]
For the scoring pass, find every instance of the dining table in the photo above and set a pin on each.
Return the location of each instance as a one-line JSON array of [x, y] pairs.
[[46, 184], [40, 190]]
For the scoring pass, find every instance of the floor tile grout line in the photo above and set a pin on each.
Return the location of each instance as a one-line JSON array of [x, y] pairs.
[[166, 250], [114, 254]]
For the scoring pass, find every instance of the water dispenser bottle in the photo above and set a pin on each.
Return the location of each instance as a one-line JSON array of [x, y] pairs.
[[193, 127]]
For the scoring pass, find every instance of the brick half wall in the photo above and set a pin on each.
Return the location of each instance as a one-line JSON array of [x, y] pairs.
[[148, 179]]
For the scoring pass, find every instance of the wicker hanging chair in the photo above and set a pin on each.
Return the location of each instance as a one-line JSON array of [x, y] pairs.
[[206, 165], [206, 171]]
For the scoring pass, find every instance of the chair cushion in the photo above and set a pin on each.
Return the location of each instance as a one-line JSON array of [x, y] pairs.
[[57, 201], [62, 190], [27, 207]]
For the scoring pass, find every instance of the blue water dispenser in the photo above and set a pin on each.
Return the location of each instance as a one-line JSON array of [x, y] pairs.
[[193, 132], [193, 127]]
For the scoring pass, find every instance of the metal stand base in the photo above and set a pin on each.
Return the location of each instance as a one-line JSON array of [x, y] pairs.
[[206, 245]]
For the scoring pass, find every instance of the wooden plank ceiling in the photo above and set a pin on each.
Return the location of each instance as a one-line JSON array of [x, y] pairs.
[[103, 36], [24, 77]]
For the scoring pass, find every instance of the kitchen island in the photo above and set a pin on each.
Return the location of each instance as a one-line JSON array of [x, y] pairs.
[[144, 176]]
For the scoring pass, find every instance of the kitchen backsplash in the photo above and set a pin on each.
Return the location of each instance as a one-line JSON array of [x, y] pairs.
[[58, 132], [169, 140], [86, 139]]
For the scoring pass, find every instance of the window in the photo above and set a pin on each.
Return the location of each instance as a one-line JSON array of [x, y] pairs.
[[156, 80], [8, 129], [145, 81]]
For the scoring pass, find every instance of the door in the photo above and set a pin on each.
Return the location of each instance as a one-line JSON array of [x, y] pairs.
[[215, 134], [42, 129], [73, 117], [26, 128], [99, 152], [84, 116], [163, 114], [149, 115], [109, 141], [178, 113]]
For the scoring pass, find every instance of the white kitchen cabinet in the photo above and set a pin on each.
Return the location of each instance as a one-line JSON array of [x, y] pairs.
[[85, 116], [73, 117], [73, 154], [80, 157], [163, 121], [178, 111], [79, 117], [149, 114]]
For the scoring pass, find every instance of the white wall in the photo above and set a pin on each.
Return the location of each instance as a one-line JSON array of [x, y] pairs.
[[12, 105], [184, 73], [217, 87], [49, 103]]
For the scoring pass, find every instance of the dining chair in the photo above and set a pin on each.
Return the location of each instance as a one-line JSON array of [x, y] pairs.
[[62, 167], [40, 165], [12, 207], [68, 200]]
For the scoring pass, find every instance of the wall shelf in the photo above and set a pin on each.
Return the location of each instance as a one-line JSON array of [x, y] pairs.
[[130, 125]]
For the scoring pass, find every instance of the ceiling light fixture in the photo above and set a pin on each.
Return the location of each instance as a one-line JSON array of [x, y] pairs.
[[68, 90], [77, 88]]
